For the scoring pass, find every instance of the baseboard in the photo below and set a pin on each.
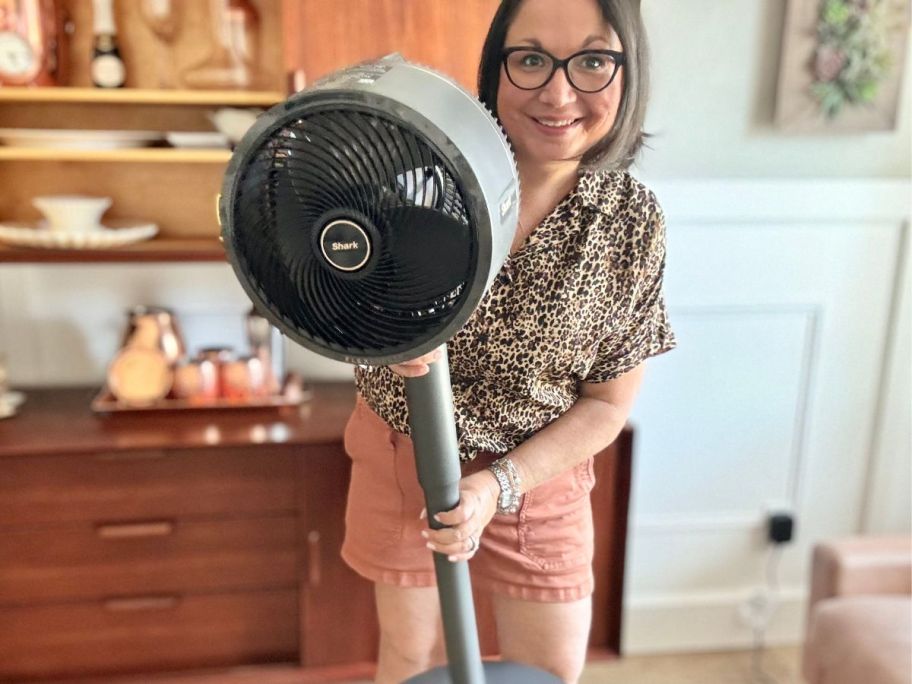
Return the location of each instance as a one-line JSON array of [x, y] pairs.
[[676, 623]]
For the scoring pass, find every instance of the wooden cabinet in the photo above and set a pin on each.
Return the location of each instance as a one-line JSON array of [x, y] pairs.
[[202, 541], [177, 188], [172, 187], [135, 544]]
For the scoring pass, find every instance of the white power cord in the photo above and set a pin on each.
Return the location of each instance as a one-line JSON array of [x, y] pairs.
[[758, 612]]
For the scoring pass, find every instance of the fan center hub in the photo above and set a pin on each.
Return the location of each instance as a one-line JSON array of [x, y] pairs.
[[345, 244]]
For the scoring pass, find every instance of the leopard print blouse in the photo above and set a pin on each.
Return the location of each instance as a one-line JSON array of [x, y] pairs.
[[581, 300]]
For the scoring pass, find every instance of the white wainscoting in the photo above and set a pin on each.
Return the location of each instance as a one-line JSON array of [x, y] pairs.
[[781, 296], [785, 299]]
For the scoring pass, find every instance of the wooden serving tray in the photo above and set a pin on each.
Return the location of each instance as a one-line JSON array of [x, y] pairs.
[[294, 393]]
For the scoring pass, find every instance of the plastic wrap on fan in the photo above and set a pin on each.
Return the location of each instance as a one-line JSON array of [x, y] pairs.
[[363, 73]]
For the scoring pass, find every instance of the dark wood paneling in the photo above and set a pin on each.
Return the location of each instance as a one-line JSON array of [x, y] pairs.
[[443, 34], [610, 502]]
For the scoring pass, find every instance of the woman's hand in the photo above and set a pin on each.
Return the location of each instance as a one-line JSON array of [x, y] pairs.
[[478, 495], [416, 367]]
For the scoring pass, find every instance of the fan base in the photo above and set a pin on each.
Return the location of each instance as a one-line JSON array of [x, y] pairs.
[[495, 673]]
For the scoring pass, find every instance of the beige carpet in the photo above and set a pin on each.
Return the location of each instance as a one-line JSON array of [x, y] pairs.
[[776, 666]]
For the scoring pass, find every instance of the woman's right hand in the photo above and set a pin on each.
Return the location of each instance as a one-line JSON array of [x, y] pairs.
[[416, 367]]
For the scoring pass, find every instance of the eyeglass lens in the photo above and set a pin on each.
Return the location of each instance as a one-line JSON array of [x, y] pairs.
[[589, 71]]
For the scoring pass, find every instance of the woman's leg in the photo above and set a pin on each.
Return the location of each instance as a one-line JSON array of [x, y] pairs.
[[550, 636], [411, 632]]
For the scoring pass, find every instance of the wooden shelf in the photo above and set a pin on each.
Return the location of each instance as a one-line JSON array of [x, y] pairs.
[[156, 250], [132, 96], [169, 155]]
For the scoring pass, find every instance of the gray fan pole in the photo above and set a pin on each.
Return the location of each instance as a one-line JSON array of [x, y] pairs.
[[430, 405]]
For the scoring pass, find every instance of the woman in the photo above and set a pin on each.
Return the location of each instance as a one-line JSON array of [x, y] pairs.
[[545, 372]]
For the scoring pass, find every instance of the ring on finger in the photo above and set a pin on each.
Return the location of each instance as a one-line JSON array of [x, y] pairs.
[[473, 544]]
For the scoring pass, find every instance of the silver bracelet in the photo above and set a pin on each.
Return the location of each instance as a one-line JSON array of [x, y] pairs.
[[510, 485]]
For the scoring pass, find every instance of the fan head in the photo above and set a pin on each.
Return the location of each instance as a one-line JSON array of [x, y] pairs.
[[367, 215]]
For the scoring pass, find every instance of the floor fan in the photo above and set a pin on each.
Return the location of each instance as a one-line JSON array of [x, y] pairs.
[[365, 217]]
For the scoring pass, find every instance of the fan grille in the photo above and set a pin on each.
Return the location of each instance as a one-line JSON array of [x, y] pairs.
[[377, 173]]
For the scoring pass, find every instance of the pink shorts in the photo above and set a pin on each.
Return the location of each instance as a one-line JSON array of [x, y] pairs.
[[541, 553]]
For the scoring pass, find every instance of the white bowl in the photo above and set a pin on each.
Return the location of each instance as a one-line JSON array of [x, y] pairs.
[[234, 122], [72, 213]]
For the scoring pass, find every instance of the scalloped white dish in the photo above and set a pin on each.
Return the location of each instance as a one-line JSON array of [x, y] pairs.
[[116, 235], [197, 140], [77, 139]]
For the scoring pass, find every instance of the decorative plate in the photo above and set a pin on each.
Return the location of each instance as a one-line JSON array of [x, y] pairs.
[[77, 139], [197, 140], [116, 235]]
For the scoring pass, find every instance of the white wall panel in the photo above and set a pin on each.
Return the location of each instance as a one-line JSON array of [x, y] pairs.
[[780, 296], [730, 405], [888, 509]]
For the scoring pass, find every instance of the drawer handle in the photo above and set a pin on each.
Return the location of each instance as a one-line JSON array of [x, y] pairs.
[[141, 603], [147, 455], [160, 528], [313, 558]]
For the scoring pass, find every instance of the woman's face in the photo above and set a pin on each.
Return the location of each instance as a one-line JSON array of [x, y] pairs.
[[557, 122]]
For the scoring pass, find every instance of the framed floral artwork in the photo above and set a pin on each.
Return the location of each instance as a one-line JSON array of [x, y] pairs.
[[842, 64]]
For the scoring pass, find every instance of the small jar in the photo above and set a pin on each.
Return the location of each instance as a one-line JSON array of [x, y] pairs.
[[219, 357], [196, 381], [244, 379]]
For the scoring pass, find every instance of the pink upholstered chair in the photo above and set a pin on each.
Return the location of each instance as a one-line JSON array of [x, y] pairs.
[[860, 614]]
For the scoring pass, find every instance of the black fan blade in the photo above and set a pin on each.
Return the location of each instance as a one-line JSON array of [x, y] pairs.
[[431, 251]]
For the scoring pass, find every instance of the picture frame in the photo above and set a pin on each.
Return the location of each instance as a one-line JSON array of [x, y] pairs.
[[842, 66]]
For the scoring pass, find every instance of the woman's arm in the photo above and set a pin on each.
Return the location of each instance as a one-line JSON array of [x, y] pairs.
[[591, 424]]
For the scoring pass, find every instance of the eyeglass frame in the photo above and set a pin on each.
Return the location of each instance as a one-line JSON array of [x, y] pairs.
[[618, 58]]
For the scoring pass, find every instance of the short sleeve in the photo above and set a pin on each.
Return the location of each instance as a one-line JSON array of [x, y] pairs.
[[645, 331]]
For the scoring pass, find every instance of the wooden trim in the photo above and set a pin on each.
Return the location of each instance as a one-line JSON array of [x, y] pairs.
[[132, 96], [622, 480], [161, 249], [167, 155], [613, 469]]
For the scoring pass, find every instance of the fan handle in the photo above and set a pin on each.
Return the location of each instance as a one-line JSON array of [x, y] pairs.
[[430, 406]]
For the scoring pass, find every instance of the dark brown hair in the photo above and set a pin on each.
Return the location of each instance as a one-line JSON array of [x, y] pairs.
[[619, 147]]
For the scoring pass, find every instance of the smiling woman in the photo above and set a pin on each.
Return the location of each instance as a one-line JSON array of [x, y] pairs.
[[555, 121], [546, 370], [618, 24]]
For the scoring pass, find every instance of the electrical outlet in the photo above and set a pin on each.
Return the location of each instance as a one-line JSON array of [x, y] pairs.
[[757, 609], [779, 523], [780, 528]]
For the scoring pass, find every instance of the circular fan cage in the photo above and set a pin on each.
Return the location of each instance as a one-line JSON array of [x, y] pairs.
[[357, 227]]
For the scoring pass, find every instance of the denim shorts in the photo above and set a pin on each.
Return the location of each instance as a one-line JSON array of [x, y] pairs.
[[543, 552]]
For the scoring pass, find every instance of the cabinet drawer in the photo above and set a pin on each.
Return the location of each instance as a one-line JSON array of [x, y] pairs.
[[149, 633], [82, 561], [146, 484]]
